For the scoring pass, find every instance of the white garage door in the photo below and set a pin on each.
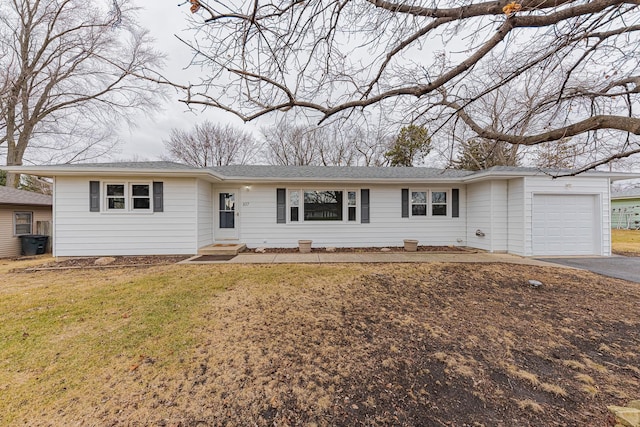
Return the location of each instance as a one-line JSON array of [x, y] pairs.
[[565, 225]]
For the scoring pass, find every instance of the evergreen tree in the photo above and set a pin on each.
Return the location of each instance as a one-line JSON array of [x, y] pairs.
[[412, 144]]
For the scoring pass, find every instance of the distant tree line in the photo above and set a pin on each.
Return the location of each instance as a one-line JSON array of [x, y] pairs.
[[286, 143]]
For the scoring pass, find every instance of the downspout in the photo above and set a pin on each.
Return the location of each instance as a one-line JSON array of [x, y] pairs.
[[53, 219]]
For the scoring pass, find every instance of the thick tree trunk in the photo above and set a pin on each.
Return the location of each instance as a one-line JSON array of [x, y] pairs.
[[13, 179], [14, 158]]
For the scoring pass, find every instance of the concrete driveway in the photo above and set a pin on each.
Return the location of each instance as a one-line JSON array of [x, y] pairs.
[[620, 267]]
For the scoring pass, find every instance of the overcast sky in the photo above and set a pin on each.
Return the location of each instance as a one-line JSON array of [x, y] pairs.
[[164, 19]]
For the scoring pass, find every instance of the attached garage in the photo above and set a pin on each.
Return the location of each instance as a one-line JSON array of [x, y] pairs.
[[566, 224]]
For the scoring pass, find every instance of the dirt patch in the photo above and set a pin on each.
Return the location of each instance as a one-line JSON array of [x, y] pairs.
[[626, 253], [119, 261]]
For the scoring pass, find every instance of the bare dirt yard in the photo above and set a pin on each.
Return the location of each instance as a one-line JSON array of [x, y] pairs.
[[343, 345]]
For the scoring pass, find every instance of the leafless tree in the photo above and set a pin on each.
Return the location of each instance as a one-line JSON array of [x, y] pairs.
[[67, 73], [562, 154], [336, 146], [330, 144], [341, 57], [290, 144], [372, 146], [479, 154], [209, 144]]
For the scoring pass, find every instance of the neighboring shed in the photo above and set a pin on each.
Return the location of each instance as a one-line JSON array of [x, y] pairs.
[[625, 209], [22, 212]]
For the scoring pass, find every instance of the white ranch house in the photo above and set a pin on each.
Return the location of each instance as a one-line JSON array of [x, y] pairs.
[[151, 208]]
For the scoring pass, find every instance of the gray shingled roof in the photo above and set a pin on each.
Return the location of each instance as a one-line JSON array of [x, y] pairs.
[[335, 172], [11, 196], [303, 173], [160, 165], [633, 192]]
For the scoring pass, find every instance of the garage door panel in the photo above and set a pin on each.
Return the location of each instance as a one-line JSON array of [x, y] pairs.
[[565, 225]]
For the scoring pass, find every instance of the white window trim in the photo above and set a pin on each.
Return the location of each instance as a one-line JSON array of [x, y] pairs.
[[430, 203], [345, 205], [106, 197], [15, 224], [128, 197], [149, 196]]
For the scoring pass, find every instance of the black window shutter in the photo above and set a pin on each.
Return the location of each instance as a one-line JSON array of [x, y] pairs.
[[281, 201], [405, 203], [455, 203], [364, 206], [94, 196], [158, 197]]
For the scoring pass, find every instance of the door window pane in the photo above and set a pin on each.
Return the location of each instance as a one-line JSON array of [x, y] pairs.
[[227, 210]]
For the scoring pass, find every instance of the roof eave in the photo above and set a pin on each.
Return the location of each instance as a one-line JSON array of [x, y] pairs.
[[53, 171], [625, 197], [24, 204], [307, 180], [489, 174]]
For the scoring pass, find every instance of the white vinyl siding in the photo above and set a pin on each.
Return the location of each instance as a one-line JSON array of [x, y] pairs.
[[10, 245], [81, 232], [204, 200], [515, 200], [487, 213], [386, 227]]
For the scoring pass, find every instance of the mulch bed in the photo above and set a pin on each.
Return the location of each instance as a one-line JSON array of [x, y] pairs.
[[120, 261]]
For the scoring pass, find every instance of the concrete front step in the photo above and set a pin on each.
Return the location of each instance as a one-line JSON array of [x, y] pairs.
[[222, 249]]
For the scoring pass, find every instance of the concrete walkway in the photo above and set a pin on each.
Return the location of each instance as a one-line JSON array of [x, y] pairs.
[[374, 257]]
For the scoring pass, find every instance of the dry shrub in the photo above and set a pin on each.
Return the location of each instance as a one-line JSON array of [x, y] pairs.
[[554, 389], [530, 405], [523, 375]]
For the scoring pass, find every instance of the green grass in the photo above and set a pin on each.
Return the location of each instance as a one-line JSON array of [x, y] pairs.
[[64, 334], [626, 242], [54, 334]]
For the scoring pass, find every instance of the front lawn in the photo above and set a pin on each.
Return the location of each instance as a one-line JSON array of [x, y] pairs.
[[394, 344], [625, 242]]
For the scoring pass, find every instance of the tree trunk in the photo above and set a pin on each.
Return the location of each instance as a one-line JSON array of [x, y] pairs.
[[13, 179]]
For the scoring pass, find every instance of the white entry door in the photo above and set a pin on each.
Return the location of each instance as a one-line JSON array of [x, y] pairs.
[[227, 214], [566, 225]]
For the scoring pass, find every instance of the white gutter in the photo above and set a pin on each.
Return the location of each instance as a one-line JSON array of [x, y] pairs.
[[211, 176], [269, 180], [51, 171], [489, 174]]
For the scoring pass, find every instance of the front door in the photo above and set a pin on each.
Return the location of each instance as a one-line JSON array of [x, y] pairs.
[[227, 215]]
